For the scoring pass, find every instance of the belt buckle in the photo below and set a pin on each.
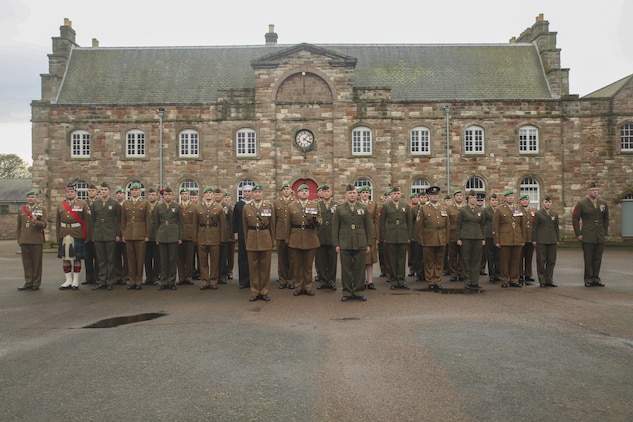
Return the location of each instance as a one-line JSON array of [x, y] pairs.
[[513, 224], [257, 228], [353, 226], [303, 226], [208, 225], [397, 222]]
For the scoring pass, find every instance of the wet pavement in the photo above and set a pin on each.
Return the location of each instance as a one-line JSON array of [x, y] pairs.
[[529, 354]]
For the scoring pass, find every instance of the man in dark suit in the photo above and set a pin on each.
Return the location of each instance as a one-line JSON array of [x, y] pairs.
[[396, 231], [32, 219], [545, 238], [352, 235], [591, 224], [106, 232]]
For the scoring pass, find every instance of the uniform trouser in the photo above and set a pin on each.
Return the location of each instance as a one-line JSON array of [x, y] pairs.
[[209, 262], [592, 253], [283, 262], [545, 262], [152, 262], [433, 263], [526, 259], [416, 260], [397, 256], [242, 263], [106, 251], [301, 261], [120, 261], [223, 261], [484, 258], [353, 271], [385, 268], [411, 256], [230, 257], [492, 253], [471, 260], [185, 260], [510, 260], [32, 262], [325, 261], [168, 263], [92, 267], [454, 257], [259, 271], [135, 250]]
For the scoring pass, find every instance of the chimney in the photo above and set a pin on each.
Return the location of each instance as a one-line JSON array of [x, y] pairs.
[[95, 43], [271, 36], [540, 17], [68, 22]]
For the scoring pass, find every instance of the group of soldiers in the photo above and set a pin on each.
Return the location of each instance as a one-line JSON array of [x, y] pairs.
[[121, 239]]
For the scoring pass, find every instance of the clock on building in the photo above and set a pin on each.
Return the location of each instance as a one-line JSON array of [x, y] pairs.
[[304, 140]]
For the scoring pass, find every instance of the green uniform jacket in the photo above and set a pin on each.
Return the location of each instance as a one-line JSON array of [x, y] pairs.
[[168, 224], [490, 213], [352, 230], [591, 222], [396, 225], [545, 229], [106, 220], [324, 231], [470, 223]]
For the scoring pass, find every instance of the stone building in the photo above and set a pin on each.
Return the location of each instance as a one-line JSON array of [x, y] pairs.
[[470, 116]]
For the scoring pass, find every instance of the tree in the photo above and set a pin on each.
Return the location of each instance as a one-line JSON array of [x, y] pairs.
[[14, 167]]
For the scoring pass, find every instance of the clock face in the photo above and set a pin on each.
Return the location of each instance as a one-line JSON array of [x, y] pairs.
[[304, 139]]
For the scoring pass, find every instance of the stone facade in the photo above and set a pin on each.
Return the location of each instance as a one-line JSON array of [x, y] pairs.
[[307, 87]]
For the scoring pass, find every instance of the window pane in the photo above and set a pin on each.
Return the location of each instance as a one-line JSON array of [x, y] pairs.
[[626, 135]]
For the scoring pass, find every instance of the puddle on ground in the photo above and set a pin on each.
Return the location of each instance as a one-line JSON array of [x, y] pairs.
[[130, 319]]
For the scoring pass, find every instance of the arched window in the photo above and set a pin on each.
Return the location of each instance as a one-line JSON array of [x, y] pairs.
[[135, 143], [420, 185], [361, 141], [365, 182], [130, 183], [474, 140], [420, 141], [626, 137], [246, 143], [189, 145], [81, 186], [476, 183], [240, 185], [530, 186], [528, 140], [80, 144]]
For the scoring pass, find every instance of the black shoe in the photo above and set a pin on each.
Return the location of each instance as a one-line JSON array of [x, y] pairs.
[[35, 288], [404, 287], [483, 273], [528, 278], [74, 287], [453, 279], [109, 287], [265, 298], [291, 286], [25, 287], [163, 287], [298, 292], [89, 282], [362, 298], [308, 292], [139, 287], [205, 287], [244, 287], [411, 274], [121, 282], [172, 286], [394, 287], [332, 286], [460, 278], [371, 286], [520, 278], [99, 287], [588, 284], [323, 286], [504, 285], [382, 275], [515, 285], [221, 281], [253, 298], [317, 278], [597, 284], [131, 287], [282, 286], [345, 298], [551, 285]]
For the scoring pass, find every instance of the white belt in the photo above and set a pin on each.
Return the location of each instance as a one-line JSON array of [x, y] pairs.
[[72, 225]]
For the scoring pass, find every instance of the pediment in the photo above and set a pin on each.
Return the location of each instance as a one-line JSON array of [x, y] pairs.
[[274, 59]]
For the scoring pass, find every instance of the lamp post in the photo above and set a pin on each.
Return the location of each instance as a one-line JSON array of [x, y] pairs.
[[447, 112], [161, 113]]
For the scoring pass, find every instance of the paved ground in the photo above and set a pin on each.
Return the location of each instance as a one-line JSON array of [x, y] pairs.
[[526, 354]]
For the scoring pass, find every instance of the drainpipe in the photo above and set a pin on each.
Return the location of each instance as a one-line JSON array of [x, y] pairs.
[[447, 112], [161, 113]]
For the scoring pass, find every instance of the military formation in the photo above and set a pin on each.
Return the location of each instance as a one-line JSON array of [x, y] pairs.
[[175, 238]]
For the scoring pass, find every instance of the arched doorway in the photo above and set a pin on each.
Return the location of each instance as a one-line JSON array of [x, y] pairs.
[[311, 185]]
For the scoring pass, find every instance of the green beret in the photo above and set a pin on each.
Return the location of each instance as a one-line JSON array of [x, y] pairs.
[[457, 191], [494, 195], [207, 189], [524, 196], [592, 185], [31, 192], [547, 198], [120, 190], [350, 188], [258, 187], [184, 190], [135, 186], [414, 195], [388, 192], [303, 187], [227, 194], [320, 187], [508, 192], [363, 189], [284, 186]]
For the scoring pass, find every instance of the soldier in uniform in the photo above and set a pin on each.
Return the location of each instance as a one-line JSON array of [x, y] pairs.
[[73, 225], [591, 223], [352, 230], [242, 256], [106, 233], [227, 248], [152, 260], [195, 265], [545, 238], [414, 202], [528, 249], [170, 229], [282, 221], [416, 260], [470, 238], [185, 249], [385, 269], [484, 254], [304, 216], [454, 250], [325, 259], [209, 230], [432, 226], [32, 219], [121, 269], [136, 229], [396, 231], [372, 256], [509, 233], [92, 268], [258, 220], [492, 252]]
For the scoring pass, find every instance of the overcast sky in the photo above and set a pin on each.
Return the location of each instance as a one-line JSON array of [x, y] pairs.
[[595, 40]]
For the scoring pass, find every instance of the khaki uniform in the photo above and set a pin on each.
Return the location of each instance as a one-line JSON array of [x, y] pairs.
[[509, 232], [30, 235], [259, 233], [592, 222], [106, 217], [282, 222], [546, 235], [152, 259], [169, 228], [492, 252], [454, 251], [227, 248], [210, 230], [136, 227], [325, 259], [470, 230], [185, 250], [527, 254], [302, 241], [432, 227], [396, 230], [372, 208]]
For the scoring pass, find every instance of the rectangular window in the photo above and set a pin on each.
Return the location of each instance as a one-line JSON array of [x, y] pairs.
[[627, 137], [474, 141], [136, 144], [80, 145], [528, 140], [246, 143], [420, 142], [361, 142], [189, 144]]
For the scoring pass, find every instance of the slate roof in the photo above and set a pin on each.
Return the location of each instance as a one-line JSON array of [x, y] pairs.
[[610, 90], [182, 75], [14, 190]]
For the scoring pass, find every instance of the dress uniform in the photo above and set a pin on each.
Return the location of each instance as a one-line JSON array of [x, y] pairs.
[[152, 259], [509, 234], [92, 267], [121, 268], [282, 221], [413, 247], [238, 229], [32, 219], [185, 249], [492, 252], [210, 230], [545, 237], [258, 219], [170, 229], [385, 268], [416, 260], [432, 226], [591, 223], [106, 232], [73, 227], [325, 259], [470, 237], [396, 231], [304, 216], [352, 234], [454, 250], [372, 256], [527, 254], [227, 248], [136, 228]]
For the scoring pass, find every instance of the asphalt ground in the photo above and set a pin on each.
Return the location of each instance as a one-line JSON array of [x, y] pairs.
[[529, 354]]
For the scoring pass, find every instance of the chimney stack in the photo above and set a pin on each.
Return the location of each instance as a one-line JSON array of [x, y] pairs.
[[95, 43], [271, 36], [68, 22]]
